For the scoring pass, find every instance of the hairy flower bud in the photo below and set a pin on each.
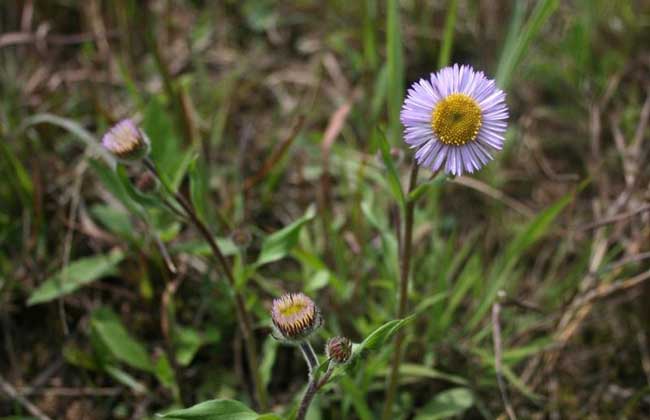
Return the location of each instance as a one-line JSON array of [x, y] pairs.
[[126, 141], [339, 349], [146, 182], [295, 316], [241, 237]]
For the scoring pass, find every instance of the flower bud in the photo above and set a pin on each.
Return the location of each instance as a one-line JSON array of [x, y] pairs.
[[339, 349], [146, 182], [295, 316], [126, 141], [241, 237]]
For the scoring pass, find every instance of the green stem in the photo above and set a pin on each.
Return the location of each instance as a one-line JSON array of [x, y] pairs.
[[243, 317], [407, 245]]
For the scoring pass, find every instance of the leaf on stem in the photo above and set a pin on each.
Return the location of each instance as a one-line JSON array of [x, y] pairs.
[[278, 245], [394, 183], [217, 410], [76, 275]]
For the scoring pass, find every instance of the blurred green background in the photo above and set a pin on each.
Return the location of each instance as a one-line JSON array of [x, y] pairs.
[[265, 114]]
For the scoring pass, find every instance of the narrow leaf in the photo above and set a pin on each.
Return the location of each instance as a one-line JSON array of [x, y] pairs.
[[379, 336], [505, 264], [395, 62], [513, 55], [77, 274], [110, 330], [278, 245], [394, 183], [448, 36], [214, 410], [446, 404]]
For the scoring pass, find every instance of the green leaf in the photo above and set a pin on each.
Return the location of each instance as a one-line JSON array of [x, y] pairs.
[[110, 330], [447, 404], [166, 151], [110, 179], [188, 341], [448, 35], [517, 43], [266, 366], [20, 178], [215, 410], [419, 371], [504, 265], [425, 186], [201, 247], [357, 397], [488, 359], [125, 379], [379, 336], [165, 373], [145, 200], [77, 274], [430, 301], [394, 184], [73, 127], [278, 245], [116, 220], [395, 64]]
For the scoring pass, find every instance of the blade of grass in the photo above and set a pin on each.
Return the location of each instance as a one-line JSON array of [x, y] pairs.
[[370, 53], [502, 269], [394, 56], [448, 35], [514, 51]]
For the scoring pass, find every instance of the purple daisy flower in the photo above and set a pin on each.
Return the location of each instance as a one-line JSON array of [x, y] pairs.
[[126, 141], [455, 119], [295, 316]]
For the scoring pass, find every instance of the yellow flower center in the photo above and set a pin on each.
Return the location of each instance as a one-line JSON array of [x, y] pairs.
[[292, 309], [456, 119]]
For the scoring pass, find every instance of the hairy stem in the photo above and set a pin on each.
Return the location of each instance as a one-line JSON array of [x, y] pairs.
[[243, 317], [314, 385], [309, 355], [405, 267]]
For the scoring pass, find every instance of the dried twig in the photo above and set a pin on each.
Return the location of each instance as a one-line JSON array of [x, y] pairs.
[[8, 389], [615, 219], [494, 193], [18, 38]]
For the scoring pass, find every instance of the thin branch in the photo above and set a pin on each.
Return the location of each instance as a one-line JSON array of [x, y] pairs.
[[314, 385], [243, 317], [13, 394], [615, 219], [495, 194]]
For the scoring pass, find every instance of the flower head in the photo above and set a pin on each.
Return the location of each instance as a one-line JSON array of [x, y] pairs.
[[126, 141], [455, 119], [241, 237], [295, 316], [339, 349]]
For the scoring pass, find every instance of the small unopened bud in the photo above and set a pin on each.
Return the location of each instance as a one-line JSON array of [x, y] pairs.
[[126, 141], [339, 349], [295, 316], [147, 182], [241, 237]]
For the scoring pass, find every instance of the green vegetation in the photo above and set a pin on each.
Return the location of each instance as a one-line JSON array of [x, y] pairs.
[[275, 126]]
